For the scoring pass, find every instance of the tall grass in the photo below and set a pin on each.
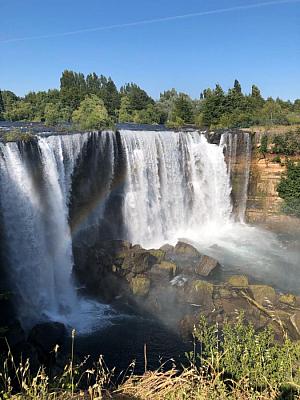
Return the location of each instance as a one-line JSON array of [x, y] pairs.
[[235, 362]]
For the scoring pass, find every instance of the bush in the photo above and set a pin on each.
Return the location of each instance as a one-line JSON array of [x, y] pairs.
[[16, 135], [263, 144], [289, 189]]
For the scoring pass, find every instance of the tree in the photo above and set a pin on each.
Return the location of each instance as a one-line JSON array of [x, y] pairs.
[[91, 114], [138, 98], [125, 112], [20, 111], [289, 189], [149, 115], [183, 109], [72, 88], [213, 106], [1, 106], [53, 114]]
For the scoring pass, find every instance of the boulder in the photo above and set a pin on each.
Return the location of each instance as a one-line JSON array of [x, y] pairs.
[[167, 266], [288, 299], [200, 292], [238, 281], [263, 294], [167, 248], [139, 262], [45, 336], [206, 266], [186, 249], [140, 285]]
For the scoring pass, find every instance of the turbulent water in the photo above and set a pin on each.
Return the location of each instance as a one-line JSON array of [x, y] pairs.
[[35, 188], [147, 187]]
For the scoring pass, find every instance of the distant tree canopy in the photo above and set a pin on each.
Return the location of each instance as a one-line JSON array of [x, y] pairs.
[[214, 108]]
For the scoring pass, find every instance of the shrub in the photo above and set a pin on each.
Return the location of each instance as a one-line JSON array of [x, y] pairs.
[[16, 135], [289, 189]]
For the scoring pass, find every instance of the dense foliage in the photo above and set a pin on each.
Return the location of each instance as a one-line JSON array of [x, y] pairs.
[[289, 188], [214, 108]]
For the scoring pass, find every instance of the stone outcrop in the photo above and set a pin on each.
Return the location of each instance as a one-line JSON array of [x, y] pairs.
[[178, 285]]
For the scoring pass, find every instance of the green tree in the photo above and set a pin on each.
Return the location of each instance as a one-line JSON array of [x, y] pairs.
[[91, 114], [1, 106], [289, 189], [183, 109], [149, 115], [125, 112], [72, 88], [138, 98]]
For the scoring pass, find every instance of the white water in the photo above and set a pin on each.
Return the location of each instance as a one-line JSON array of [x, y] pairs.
[[178, 186], [38, 239], [176, 182]]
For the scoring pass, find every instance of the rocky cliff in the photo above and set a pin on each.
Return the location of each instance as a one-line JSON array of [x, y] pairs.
[[264, 206]]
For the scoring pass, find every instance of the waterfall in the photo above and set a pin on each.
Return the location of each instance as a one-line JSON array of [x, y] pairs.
[[176, 183], [149, 187], [36, 230]]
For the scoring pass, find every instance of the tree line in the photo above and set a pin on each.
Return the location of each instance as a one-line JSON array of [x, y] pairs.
[[94, 102]]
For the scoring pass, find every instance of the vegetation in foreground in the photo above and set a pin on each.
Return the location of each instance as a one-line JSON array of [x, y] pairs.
[[93, 102], [233, 363]]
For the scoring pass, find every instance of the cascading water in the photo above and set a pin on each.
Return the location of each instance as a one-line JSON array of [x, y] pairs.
[[36, 230], [176, 183], [147, 187]]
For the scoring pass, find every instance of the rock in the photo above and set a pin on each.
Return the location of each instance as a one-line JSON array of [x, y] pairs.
[[288, 299], [186, 249], [14, 334], [140, 285], [167, 248], [200, 292], [238, 281], [224, 293], [45, 336], [263, 294], [157, 253], [206, 266], [168, 266], [139, 262]]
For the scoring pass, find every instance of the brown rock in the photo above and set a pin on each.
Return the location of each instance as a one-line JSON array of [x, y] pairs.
[[167, 248], [239, 281], [263, 294], [206, 266], [288, 299], [200, 292], [140, 285], [167, 267], [186, 249]]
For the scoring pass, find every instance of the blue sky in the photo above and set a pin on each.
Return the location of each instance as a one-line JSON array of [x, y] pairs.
[[258, 45]]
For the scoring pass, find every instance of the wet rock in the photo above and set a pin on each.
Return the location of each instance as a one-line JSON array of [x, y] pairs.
[[139, 262], [238, 281], [206, 266], [167, 266], [45, 336], [288, 299], [224, 293], [140, 285], [200, 292], [186, 249], [167, 248], [263, 294]]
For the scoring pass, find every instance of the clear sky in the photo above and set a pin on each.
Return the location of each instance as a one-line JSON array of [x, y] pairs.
[[258, 45]]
